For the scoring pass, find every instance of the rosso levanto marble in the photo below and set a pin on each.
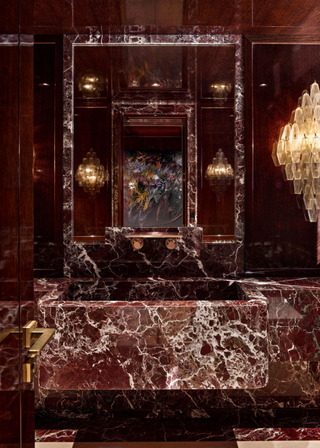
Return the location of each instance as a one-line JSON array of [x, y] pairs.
[[264, 434], [153, 334], [289, 398], [195, 258]]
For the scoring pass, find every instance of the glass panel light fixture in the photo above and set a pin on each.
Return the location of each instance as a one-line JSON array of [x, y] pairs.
[[91, 175], [219, 173], [298, 150]]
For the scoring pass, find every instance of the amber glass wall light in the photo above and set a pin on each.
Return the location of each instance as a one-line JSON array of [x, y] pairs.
[[91, 175], [219, 173]]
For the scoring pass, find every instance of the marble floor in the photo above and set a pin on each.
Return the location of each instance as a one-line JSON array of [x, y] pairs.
[[242, 438]]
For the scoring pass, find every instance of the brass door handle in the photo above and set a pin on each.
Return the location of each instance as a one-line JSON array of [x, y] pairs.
[[29, 332]]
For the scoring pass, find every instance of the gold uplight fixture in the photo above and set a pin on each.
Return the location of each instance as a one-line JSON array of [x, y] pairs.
[[219, 173], [91, 175], [298, 150], [91, 84]]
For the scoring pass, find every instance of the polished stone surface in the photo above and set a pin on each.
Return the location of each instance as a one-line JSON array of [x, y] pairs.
[[128, 335], [215, 259]]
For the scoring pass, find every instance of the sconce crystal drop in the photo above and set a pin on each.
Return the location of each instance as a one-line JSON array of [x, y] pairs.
[[91, 175], [219, 173], [298, 150]]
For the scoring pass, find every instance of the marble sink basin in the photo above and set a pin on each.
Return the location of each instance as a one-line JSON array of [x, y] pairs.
[[152, 334]]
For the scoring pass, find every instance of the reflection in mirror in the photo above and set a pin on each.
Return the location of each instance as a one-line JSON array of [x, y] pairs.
[[152, 182], [153, 67], [219, 174], [91, 84], [155, 114], [91, 175]]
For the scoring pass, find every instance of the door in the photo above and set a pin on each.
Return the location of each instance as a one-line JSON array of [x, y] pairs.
[[16, 219]]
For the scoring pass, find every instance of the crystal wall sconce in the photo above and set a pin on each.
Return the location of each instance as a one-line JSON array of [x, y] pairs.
[[219, 173], [298, 150], [91, 175], [91, 85]]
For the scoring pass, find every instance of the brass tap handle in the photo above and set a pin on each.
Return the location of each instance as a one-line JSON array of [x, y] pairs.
[[137, 243], [171, 243]]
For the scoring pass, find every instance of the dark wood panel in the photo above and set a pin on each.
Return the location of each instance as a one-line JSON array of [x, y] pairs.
[[278, 237], [286, 13], [99, 12], [217, 131], [178, 16], [44, 155], [9, 432], [48, 257], [216, 67], [92, 129], [16, 223], [9, 181], [52, 16], [26, 298], [99, 61], [162, 72], [9, 17], [26, 172], [160, 16], [229, 13]]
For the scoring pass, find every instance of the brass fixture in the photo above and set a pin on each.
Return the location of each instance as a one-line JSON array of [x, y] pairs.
[[29, 332], [91, 84], [29, 368], [137, 243], [171, 243], [298, 149], [154, 235], [90, 174], [220, 91], [219, 173], [137, 239]]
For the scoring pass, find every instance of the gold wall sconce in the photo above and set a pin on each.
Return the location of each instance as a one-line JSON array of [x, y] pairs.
[[220, 91], [91, 175], [298, 150], [219, 173], [91, 84]]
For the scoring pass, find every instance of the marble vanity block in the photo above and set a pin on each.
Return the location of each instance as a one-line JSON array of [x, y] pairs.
[[152, 334], [294, 309]]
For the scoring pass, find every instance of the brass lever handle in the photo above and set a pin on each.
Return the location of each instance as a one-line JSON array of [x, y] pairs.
[[29, 332], [26, 333], [29, 367], [43, 335]]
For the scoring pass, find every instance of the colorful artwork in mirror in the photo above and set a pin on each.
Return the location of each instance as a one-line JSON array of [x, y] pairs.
[[152, 188]]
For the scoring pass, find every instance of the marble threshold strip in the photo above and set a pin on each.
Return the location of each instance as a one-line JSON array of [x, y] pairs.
[[252, 444]]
